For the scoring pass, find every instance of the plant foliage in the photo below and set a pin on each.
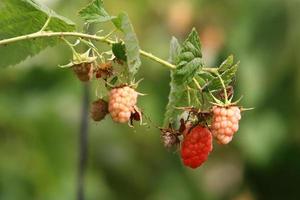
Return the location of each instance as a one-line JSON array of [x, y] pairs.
[[21, 17], [95, 13], [188, 60]]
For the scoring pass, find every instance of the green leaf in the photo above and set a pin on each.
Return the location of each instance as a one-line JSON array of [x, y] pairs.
[[21, 17], [122, 22], [176, 91], [95, 13], [119, 51], [226, 64], [227, 72], [175, 50], [189, 60]]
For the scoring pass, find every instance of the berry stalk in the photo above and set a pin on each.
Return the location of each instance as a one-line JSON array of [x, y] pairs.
[[103, 39]]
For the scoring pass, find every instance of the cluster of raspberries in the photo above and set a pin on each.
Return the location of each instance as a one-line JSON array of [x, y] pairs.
[[121, 105], [197, 141]]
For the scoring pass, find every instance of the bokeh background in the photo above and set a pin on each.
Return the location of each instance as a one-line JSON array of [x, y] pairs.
[[40, 108]]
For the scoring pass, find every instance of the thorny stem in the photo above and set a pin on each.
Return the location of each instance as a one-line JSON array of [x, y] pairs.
[[45, 34]]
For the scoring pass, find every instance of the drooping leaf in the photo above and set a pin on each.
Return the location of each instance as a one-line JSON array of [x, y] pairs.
[[95, 13], [21, 17], [122, 22], [176, 91]]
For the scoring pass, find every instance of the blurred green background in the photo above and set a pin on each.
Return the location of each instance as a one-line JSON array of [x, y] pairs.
[[40, 107]]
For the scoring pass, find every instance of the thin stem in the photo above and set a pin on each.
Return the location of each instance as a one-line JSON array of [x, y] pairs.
[[83, 142], [46, 24], [224, 87], [72, 48], [197, 84], [159, 60], [89, 44], [54, 34], [83, 139], [45, 34], [110, 33]]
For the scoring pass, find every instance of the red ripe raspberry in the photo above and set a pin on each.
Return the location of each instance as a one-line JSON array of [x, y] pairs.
[[121, 103], [84, 71], [225, 123], [196, 146], [99, 109]]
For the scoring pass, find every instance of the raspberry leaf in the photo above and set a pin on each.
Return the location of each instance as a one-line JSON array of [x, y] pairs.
[[176, 90], [123, 23], [227, 64], [21, 17], [119, 51], [95, 13], [188, 61], [175, 50], [227, 72]]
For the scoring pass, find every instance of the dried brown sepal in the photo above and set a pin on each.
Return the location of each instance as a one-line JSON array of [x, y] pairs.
[[182, 126], [136, 115], [170, 137]]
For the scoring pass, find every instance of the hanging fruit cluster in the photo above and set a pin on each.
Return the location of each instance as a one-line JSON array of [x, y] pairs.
[[200, 104]]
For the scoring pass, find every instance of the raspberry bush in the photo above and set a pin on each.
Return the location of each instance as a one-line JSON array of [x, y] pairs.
[[200, 98]]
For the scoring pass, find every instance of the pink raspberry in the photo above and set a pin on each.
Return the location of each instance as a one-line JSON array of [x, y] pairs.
[[225, 123], [196, 146], [121, 103]]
